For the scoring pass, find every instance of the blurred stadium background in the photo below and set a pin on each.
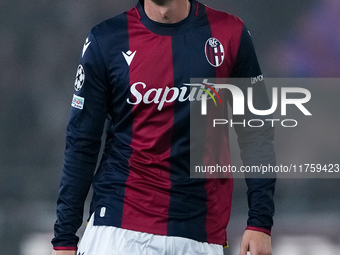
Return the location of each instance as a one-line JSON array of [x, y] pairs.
[[40, 42]]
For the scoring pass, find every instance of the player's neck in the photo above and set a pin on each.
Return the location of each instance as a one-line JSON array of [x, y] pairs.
[[167, 11]]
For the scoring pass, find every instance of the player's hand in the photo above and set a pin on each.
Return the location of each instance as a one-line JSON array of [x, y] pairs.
[[64, 252], [257, 243]]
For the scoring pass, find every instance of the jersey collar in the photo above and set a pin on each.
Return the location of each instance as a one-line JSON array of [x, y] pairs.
[[164, 28]]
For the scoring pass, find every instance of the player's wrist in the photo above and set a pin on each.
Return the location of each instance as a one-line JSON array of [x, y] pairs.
[[64, 252], [260, 229]]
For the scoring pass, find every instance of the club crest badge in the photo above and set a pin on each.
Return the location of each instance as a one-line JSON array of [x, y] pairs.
[[80, 78], [214, 52]]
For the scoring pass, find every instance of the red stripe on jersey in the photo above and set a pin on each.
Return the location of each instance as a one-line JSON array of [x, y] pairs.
[[230, 37], [219, 191], [147, 196]]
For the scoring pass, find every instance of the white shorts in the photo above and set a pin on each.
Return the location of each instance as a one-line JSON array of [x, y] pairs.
[[105, 240]]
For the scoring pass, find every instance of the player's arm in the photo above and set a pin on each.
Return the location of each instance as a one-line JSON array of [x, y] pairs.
[[257, 147], [83, 139]]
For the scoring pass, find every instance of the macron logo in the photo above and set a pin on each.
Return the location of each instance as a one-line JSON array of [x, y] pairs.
[[86, 45], [129, 56]]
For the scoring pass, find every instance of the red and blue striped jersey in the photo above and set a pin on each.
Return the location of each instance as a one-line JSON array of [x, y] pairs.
[[131, 74]]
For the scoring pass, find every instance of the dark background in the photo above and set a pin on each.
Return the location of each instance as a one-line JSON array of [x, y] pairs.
[[40, 43]]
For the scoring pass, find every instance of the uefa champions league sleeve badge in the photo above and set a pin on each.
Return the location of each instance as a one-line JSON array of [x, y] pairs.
[[80, 78]]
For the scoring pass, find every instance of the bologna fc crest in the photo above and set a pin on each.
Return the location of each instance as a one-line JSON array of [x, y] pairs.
[[214, 52]]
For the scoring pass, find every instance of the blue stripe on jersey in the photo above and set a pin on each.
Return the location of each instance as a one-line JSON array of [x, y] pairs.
[[109, 182], [187, 209]]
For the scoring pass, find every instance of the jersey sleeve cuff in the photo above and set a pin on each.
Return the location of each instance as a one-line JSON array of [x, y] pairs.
[[263, 230], [64, 248]]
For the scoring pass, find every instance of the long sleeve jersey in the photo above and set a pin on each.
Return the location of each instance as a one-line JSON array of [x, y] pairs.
[[132, 74]]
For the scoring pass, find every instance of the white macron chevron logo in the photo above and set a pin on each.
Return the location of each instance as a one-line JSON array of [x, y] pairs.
[[129, 56]]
